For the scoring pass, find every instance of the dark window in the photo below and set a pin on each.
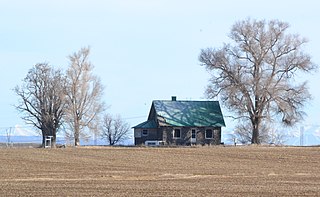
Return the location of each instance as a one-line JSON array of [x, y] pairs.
[[176, 133], [209, 134], [193, 133], [144, 132]]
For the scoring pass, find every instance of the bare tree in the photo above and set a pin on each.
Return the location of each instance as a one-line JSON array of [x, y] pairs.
[[42, 99], [84, 96], [268, 135], [114, 130], [254, 75], [278, 137]]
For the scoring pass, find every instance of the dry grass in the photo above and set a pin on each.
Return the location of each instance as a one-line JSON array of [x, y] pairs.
[[208, 171]]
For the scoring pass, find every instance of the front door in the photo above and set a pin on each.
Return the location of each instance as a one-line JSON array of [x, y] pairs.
[[193, 136]]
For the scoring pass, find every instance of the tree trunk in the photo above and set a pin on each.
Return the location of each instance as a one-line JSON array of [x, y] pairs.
[[76, 134], [43, 140], [110, 140], [255, 131], [54, 138]]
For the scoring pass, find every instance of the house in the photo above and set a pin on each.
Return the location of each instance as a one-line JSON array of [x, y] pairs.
[[174, 122]]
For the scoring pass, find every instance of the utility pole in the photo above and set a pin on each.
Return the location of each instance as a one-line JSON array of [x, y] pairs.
[[9, 132]]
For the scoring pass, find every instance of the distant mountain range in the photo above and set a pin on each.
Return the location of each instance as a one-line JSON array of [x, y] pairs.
[[308, 135], [60, 140], [19, 134], [305, 136]]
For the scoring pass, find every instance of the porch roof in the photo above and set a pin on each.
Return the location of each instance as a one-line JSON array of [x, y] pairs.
[[149, 124]]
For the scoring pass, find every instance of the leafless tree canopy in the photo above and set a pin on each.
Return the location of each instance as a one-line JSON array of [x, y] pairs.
[[269, 133], [84, 95], [42, 99], [254, 75], [114, 130]]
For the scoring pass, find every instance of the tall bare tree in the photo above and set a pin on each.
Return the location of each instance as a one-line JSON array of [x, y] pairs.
[[243, 132], [114, 130], [84, 95], [254, 75], [42, 99]]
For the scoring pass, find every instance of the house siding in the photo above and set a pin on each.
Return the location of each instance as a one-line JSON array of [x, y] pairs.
[[153, 134], [165, 134], [185, 138]]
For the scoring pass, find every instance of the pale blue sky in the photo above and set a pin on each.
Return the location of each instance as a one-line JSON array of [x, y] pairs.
[[143, 50]]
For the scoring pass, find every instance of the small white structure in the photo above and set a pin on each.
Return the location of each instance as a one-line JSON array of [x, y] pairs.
[[153, 143], [48, 141]]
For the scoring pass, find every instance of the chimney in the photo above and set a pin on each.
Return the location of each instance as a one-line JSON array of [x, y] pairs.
[[173, 98]]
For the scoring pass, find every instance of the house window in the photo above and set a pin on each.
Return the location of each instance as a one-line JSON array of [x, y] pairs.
[[209, 134], [137, 133], [193, 133], [176, 133], [145, 132]]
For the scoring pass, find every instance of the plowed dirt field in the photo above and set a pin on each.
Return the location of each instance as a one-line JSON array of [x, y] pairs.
[[205, 171]]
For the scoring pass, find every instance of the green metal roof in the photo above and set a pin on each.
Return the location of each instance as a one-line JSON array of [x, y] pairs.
[[189, 113], [184, 113], [150, 124]]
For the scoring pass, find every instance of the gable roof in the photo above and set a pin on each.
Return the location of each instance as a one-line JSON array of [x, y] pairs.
[[184, 113]]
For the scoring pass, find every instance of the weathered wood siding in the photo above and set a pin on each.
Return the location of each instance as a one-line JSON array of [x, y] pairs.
[[153, 134], [185, 138], [166, 134]]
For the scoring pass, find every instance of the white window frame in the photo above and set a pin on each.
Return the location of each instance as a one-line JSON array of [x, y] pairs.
[[205, 133], [144, 131], [174, 131]]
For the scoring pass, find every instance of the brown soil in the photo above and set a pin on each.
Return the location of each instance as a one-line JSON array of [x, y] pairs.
[[206, 171]]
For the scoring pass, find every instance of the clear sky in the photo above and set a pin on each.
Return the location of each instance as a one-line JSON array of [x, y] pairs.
[[143, 50]]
